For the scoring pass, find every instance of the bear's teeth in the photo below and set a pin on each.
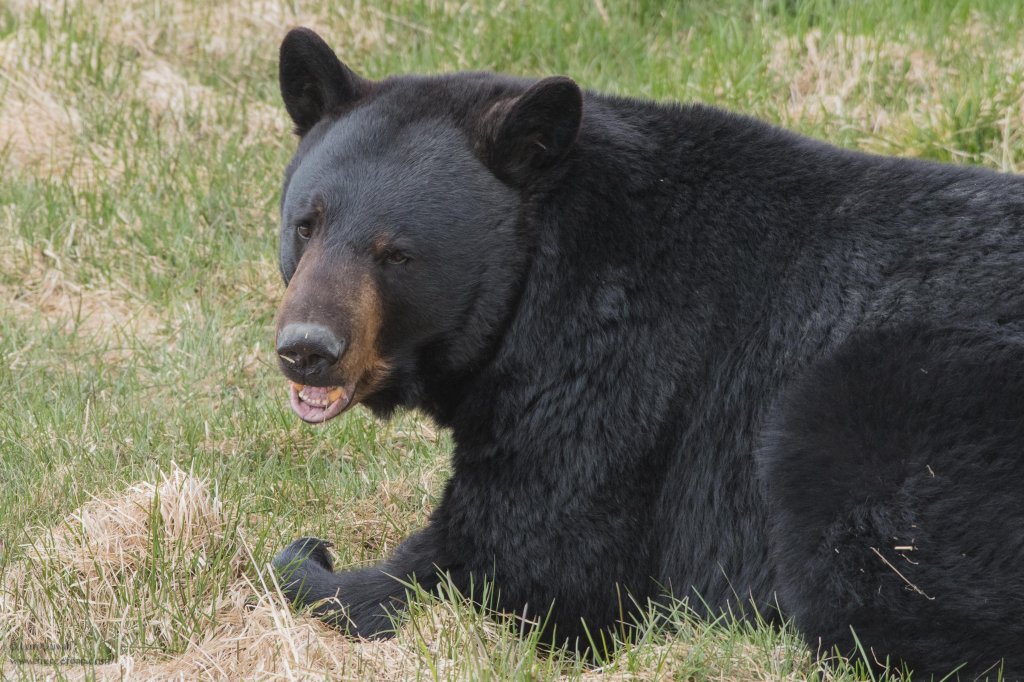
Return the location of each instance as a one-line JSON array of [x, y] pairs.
[[318, 396], [310, 400]]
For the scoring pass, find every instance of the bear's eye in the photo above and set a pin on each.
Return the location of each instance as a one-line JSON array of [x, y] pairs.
[[396, 258], [304, 230]]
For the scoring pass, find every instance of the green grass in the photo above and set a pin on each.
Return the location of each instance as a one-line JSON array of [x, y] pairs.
[[142, 145]]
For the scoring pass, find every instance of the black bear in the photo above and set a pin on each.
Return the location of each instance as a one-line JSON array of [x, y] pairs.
[[682, 353]]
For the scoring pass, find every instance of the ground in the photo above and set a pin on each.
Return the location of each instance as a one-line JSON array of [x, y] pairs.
[[150, 461]]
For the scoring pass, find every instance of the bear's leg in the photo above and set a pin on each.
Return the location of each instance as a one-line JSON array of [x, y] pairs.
[[894, 472], [364, 602]]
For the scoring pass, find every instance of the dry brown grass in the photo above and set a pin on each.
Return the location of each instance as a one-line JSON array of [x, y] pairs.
[[851, 80], [42, 130], [171, 99], [38, 125], [106, 317], [100, 550]]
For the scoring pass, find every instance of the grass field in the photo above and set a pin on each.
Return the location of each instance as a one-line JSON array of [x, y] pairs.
[[149, 463]]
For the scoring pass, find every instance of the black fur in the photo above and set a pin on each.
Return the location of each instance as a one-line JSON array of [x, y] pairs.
[[684, 352], [914, 512]]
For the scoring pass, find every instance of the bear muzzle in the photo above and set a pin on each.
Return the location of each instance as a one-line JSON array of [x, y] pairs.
[[309, 354], [327, 335]]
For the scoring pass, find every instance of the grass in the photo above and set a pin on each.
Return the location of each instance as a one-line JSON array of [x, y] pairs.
[[150, 465]]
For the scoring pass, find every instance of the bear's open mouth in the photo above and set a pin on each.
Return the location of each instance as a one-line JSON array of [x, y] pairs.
[[317, 404]]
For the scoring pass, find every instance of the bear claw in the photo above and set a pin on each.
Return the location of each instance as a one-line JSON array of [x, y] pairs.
[[292, 559]]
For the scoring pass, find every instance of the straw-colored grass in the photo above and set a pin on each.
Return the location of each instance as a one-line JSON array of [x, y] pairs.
[[105, 551]]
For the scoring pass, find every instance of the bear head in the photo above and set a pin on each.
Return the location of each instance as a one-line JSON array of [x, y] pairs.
[[404, 236]]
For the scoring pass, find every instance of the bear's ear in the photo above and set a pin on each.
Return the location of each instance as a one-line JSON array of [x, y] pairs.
[[314, 82], [533, 131]]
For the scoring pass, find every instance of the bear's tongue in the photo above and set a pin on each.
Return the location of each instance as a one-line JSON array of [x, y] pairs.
[[317, 404]]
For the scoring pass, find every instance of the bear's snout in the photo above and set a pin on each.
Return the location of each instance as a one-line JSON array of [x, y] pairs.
[[308, 350], [309, 355], [327, 327]]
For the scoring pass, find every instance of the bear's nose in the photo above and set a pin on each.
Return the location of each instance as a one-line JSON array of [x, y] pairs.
[[307, 349]]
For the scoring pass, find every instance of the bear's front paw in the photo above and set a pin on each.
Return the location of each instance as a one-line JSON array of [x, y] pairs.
[[302, 549], [300, 564]]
